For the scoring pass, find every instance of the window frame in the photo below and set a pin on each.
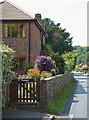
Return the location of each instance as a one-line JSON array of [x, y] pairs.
[[18, 25]]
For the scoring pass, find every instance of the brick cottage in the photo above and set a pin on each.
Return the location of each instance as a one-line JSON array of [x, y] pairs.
[[22, 33]]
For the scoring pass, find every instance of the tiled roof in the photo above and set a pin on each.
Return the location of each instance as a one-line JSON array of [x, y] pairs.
[[9, 11]]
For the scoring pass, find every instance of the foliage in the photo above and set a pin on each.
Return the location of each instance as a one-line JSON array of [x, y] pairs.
[[70, 61], [46, 74], [49, 50], [85, 70], [60, 64], [6, 65], [29, 67], [77, 68], [6, 57], [57, 43], [54, 72], [44, 63], [34, 74], [58, 38], [57, 105], [82, 53]]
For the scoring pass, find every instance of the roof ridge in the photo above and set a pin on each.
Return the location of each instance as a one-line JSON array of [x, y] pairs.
[[17, 7]]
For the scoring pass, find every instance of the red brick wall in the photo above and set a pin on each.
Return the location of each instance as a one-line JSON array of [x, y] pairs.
[[35, 42], [20, 45], [0, 31]]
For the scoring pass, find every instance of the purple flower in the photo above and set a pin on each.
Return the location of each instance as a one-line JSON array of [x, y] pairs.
[[44, 63]]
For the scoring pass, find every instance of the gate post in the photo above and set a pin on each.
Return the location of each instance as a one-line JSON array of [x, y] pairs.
[[13, 91]]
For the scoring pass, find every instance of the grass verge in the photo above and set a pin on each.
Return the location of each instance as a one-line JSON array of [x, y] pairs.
[[58, 104]]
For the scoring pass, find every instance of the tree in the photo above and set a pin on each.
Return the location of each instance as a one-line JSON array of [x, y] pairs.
[[58, 38], [48, 49], [82, 53], [60, 63], [70, 61]]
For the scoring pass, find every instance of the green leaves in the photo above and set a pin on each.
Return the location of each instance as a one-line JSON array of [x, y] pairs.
[[58, 38], [83, 54], [70, 61], [6, 56], [6, 74]]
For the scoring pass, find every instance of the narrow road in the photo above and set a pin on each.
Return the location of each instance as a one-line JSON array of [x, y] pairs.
[[25, 115], [76, 107], [77, 104]]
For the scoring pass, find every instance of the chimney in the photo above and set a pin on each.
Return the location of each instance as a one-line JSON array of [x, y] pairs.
[[38, 17]]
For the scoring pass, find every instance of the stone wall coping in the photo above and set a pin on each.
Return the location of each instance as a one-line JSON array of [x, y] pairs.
[[56, 76]]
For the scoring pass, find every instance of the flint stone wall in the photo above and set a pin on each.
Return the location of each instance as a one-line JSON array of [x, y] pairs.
[[50, 87]]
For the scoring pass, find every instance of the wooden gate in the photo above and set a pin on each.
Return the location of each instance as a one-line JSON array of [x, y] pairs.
[[28, 91], [25, 91]]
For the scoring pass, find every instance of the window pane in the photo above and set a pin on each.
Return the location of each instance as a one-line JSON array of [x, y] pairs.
[[22, 30], [6, 34], [7, 30], [7, 27], [14, 27], [14, 33], [14, 30]]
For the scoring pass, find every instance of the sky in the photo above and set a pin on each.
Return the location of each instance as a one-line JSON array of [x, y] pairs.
[[72, 14]]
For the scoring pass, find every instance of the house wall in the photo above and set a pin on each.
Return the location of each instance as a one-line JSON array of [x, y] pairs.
[[0, 31], [19, 45], [35, 42]]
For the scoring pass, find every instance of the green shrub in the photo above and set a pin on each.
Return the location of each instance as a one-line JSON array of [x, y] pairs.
[[77, 68], [85, 70], [6, 57], [54, 72], [70, 61], [60, 64], [29, 67], [46, 74]]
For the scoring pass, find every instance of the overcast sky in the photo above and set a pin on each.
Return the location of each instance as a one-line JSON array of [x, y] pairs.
[[72, 14]]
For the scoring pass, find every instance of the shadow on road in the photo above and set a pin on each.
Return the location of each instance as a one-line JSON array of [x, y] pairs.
[[78, 89]]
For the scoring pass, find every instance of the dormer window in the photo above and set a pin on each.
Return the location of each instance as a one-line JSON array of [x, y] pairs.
[[14, 30]]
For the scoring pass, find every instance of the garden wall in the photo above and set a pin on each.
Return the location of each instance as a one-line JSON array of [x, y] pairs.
[[50, 87]]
